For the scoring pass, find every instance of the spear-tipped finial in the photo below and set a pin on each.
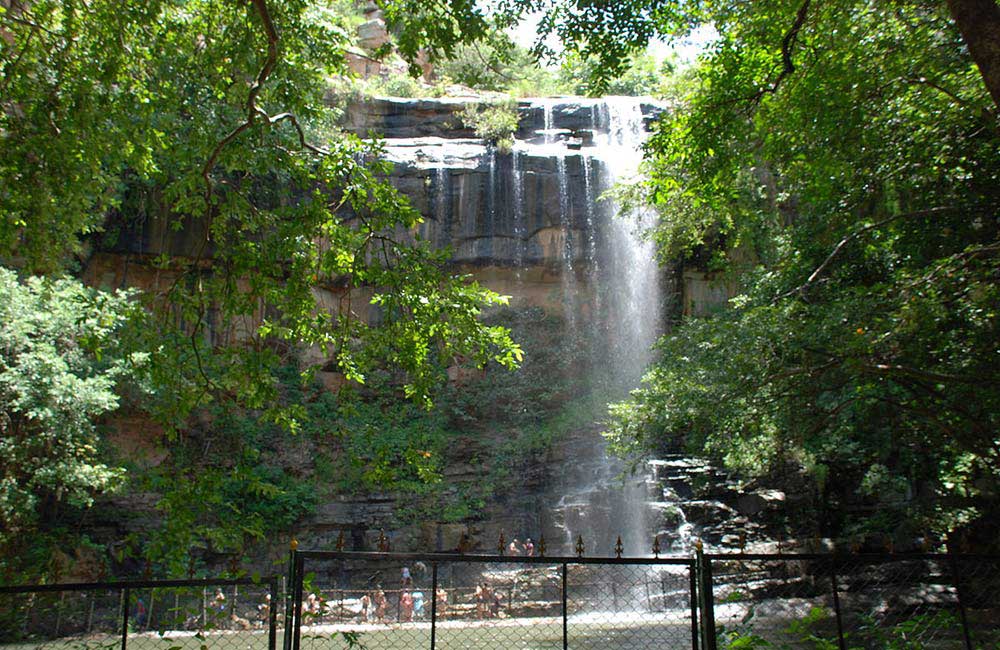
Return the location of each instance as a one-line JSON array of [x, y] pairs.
[[855, 546], [541, 546], [619, 548], [889, 547], [147, 570], [294, 544], [234, 565], [699, 546], [501, 544], [743, 541], [656, 546], [383, 541], [579, 546], [779, 546], [191, 568], [340, 542]]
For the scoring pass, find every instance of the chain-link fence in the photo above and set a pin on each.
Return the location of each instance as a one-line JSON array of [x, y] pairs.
[[820, 601], [392, 600], [851, 601], [382, 601], [148, 615]]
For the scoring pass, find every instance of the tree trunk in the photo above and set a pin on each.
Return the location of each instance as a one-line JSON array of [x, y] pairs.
[[979, 23]]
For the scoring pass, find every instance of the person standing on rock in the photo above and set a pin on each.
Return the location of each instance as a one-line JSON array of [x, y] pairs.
[[407, 579], [380, 605], [529, 548], [514, 548], [366, 602], [219, 601], [418, 604], [481, 600], [406, 607]]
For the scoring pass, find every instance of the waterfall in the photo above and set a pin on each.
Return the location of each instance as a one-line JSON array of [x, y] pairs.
[[547, 106], [519, 225], [441, 198], [631, 282], [606, 501], [535, 224], [568, 273], [593, 259]]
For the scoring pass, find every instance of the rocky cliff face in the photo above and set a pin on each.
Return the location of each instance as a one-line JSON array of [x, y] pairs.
[[529, 224]]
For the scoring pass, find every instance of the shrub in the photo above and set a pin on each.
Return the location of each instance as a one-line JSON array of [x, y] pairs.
[[494, 122]]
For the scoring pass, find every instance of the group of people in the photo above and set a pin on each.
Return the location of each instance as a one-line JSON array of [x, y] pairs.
[[410, 605], [487, 601], [516, 548], [373, 606]]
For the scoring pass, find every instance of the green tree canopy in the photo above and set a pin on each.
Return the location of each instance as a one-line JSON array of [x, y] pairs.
[[846, 156], [211, 120], [211, 117]]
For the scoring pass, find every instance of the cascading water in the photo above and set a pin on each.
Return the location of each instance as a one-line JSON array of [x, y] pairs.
[[568, 274], [519, 221], [629, 316], [631, 282], [621, 312], [539, 213]]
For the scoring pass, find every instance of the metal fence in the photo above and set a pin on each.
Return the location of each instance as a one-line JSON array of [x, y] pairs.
[[239, 614], [851, 601], [447, 600], [817, 601], [394, 600]]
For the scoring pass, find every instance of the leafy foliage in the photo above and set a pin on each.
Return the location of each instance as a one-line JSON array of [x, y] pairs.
[[495, 122], [221, 111], [60, 367], [642, 76], [856, 195], [498, 65], [278, 242]]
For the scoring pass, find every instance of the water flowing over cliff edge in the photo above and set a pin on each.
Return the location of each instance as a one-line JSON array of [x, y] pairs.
[[535, 224], [531, 224]]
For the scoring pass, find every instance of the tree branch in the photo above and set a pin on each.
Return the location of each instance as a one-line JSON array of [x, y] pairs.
[[270, 61], [801, 289], [787, 43]]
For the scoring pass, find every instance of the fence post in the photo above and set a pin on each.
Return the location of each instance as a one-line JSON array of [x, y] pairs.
[[272, 616], [836, 604], [956, 578], [125, 597], [707, 599], [297, 601], [289, 589], [694, 604], [564, 612], [90, 612], [434, 599], [59, 611]]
